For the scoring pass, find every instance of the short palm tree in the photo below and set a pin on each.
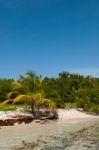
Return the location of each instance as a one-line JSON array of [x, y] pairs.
[[27, 90], [36, 102]]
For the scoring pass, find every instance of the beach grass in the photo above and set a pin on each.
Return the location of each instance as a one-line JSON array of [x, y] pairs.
[[10, 107]]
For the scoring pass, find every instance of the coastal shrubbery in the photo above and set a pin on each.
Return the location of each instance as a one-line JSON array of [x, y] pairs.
[[66, 90]]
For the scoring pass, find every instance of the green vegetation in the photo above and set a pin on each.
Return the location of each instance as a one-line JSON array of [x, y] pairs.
[[66, 90], [5, 87], [27, 91], [10, 107]]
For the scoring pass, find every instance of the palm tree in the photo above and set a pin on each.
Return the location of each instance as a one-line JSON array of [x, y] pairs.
[[27, 90], [32, 81], [36, 101]]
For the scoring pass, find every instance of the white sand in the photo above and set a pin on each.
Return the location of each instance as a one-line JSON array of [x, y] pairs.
[[73, 114], [13, 114], [69, 121], [12, 136], [63, 114]]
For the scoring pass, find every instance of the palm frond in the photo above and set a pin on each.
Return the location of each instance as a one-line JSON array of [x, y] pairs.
[[52, 105], [18, 86], [9, 101], [12, 94], [22, 99], [31, 74]]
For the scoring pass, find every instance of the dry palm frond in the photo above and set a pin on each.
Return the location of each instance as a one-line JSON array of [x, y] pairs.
[[22, 99], [38, 98], [52, 105], [48, 103], [10, 101]]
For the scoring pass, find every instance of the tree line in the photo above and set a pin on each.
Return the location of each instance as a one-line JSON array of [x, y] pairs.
[[67, 89]]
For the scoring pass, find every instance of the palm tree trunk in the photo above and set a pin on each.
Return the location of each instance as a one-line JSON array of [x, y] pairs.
[[32, 108], [34, 111]]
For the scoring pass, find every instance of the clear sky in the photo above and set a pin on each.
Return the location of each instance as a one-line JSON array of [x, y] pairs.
[[49, 36]]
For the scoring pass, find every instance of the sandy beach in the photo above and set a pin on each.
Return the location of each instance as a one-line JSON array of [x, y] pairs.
[[63, 114], [69, 121]]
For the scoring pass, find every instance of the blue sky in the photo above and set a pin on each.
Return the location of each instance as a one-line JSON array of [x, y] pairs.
[[49, 36]]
